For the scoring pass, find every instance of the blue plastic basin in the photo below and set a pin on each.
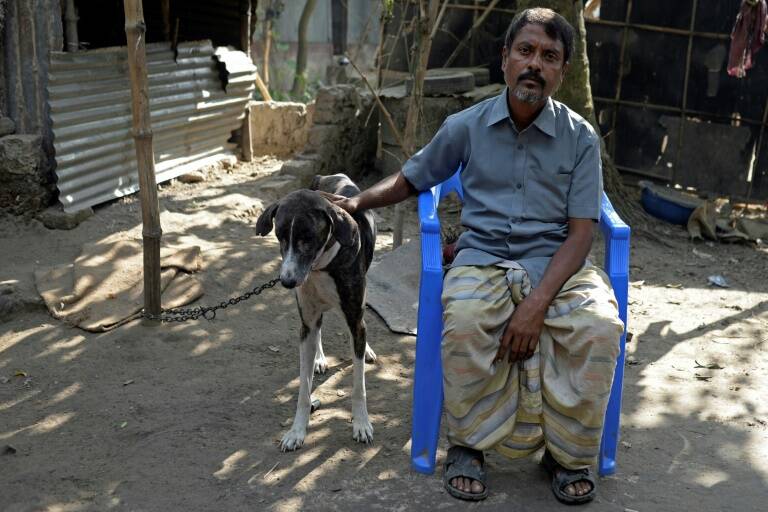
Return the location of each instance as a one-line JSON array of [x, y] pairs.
[[664, 205]]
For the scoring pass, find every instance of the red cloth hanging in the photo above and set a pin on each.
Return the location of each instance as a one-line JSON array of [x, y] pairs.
[[748, 36]]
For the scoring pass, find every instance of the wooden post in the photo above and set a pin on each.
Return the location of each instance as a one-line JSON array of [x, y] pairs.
[[135, 31], [246, 143], [245, 26], [165, 8], [70, 18]]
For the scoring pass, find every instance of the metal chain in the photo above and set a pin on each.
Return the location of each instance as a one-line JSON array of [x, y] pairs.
[[207, 312]]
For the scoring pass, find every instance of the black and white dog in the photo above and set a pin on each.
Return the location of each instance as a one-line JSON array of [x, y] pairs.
[[326, 253]]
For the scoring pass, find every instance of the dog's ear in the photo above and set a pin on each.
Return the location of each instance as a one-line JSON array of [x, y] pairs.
[[265, 221], [344, 227]]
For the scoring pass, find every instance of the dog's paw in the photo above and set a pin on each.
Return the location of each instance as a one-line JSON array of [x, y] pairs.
[[293, 439], [321, 365], [370, 355], [362, 430]]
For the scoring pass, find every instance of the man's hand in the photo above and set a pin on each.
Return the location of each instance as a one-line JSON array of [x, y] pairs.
[[346, 203], [523, 330]]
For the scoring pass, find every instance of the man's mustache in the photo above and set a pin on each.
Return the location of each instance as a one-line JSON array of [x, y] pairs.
[[530, 75]]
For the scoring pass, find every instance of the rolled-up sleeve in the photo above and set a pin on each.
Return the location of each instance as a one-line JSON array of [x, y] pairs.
[[585, 194], [438, 160]]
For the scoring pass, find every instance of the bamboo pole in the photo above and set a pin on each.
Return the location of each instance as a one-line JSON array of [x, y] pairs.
[[135, 31]]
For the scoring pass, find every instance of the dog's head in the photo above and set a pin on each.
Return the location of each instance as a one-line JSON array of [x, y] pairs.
[[307, 225]]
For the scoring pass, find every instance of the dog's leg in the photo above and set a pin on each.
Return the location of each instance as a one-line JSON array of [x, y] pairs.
[[321, 364], [362, 430], [370, 355], [310, 337]]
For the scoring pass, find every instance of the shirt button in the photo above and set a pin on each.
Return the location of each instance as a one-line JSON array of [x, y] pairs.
[[520, 147], [519, 186]]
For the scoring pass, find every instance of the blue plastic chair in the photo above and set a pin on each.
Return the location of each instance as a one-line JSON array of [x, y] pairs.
[[428, 374]]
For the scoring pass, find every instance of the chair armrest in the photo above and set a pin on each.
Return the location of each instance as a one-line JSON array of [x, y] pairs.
[[610, 222], [431, 254], [616, 233]]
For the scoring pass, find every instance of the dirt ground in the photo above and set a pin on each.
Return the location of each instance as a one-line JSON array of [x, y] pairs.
[[187, 417]]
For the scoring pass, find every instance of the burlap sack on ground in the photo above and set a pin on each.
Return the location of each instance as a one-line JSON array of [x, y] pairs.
[[104, 287]]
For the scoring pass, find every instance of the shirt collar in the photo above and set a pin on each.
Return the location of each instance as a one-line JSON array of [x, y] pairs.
[[544, 122]]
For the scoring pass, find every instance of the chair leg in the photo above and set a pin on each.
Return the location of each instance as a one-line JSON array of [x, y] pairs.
[[427, 383], [427, 405], [610, 441]]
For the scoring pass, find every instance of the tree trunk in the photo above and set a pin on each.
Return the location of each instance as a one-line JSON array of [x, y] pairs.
[[300, 79], [576, 92]]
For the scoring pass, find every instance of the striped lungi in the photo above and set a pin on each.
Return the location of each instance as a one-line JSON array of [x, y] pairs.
[[555, 398]]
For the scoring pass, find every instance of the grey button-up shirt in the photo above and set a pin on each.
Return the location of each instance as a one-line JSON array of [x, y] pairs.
[[520, 188]]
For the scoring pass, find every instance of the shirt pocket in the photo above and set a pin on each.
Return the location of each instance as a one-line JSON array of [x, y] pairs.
[[546, 194]]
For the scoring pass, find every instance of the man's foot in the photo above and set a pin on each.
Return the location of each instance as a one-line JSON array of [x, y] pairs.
[[570, 486], [465, 476]]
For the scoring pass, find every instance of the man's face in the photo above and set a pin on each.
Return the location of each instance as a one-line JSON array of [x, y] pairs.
[[534, 64]]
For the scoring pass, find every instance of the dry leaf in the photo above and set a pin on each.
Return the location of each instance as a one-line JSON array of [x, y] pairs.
[[710, 366]]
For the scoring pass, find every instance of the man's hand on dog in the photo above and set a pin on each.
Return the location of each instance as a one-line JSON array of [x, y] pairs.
[[522, 332], [346, 203]]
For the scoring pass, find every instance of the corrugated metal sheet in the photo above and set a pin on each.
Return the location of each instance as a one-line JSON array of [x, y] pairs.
[[192, 115]]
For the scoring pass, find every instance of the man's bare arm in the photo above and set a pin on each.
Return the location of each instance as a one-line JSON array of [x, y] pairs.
[[522, 333], [389, 191]]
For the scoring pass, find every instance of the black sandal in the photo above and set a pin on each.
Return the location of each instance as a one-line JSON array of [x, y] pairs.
[[458, 464], [562, 477]]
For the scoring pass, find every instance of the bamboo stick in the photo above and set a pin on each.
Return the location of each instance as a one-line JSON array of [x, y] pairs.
[[263, 88], [135, 31], [384, 110], [479, 21], [267, 49], [428, 14]]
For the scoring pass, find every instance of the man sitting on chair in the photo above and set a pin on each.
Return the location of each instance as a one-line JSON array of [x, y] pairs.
[[530, 328]]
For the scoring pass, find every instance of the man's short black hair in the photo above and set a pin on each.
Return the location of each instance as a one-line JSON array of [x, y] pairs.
[[554, 25]]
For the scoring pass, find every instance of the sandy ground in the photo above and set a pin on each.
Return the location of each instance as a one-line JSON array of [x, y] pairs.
[[187, 417]]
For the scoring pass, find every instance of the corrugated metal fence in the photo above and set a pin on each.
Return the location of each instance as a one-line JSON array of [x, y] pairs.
[[192, 115]]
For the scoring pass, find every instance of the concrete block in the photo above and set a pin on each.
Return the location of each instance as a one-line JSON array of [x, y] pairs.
[[280, 185], [323, 135], [7, 126], [303, 169], [56, 218], [192, 177], [20, 154]]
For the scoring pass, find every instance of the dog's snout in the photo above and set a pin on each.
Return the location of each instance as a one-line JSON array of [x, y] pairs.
[[292, 274]]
